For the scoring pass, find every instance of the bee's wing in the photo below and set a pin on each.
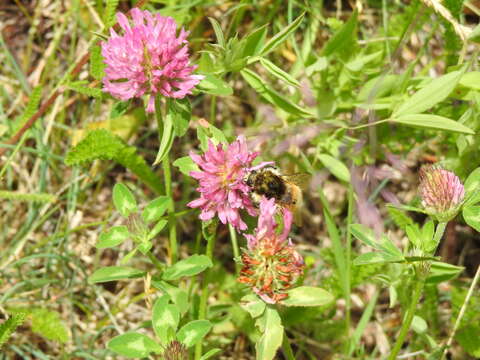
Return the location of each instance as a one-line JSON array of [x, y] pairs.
[[300, 179]]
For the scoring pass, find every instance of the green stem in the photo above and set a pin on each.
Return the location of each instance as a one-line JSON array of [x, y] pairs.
[[348, 258], [417, 292], [167, 174], [155, 261], [172, 221], [462, 311], [236, 250], [287, 348], [407, 321], [202, 308]]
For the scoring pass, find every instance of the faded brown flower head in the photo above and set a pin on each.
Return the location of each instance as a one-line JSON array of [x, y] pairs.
[[271, 265]]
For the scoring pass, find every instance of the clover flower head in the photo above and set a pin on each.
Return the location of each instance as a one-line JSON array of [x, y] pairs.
[[148, 59], [222, 187], [270, 265], [441, 191], [175, 350]]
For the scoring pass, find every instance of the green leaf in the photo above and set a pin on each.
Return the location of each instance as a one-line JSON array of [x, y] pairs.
[[186, 165], [133, 345], [471, 214], [8, 326], [181, 111], [167, 137], [279, 73], [102, 144], [155, 209], [79, 86], [177, 295], [32, 197], [210, 353], [156, 229], [193, 265], [471, 80], [257, 83], [335, 166], [254, 42], [124, 200], [193, 332], [113, 237], [109, 15], [49, 325], [112, 273], [97, 65], [308, 296], [282, 35], [218, 32], [419, 325], [30, 110], [440, 272], [427, 97], [432, 122], [376, 257], [253, 305], [272, 334], [342, 39], [468, 338], [366, 235], [215, 86], [472, 188], [164, 316]]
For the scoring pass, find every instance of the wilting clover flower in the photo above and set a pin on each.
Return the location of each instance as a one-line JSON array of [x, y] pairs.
[[175, 350], [441, 191], [270, 265], [222, 189], [148, 59]]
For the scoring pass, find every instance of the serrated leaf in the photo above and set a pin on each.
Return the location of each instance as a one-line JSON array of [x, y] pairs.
[[48, 324], [110, 10], [164, 316], [281, 36], [8, 326], [124, 200], [113, 273], [97, 65], [433, 93], [112, 237], [193, 332], [133, 345], [101, 144], [31, 108], [79, 86], [432, 122], [260, 86], [190, 266], [155, 209], [308, 296]]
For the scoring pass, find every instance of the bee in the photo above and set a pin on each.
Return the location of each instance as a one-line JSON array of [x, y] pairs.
[[285, 189]]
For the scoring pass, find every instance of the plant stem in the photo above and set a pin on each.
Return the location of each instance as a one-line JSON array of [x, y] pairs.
[[417, 292], [155, 261], [407, 321], [167, 174], [172, 221], [287, 348], [348, 260], [202, 307], [462, 311], [236, 250]]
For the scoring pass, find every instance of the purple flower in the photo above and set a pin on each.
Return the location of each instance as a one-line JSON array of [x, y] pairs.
[[222, 186], [441, 191], [270, 265], [148, 58]]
